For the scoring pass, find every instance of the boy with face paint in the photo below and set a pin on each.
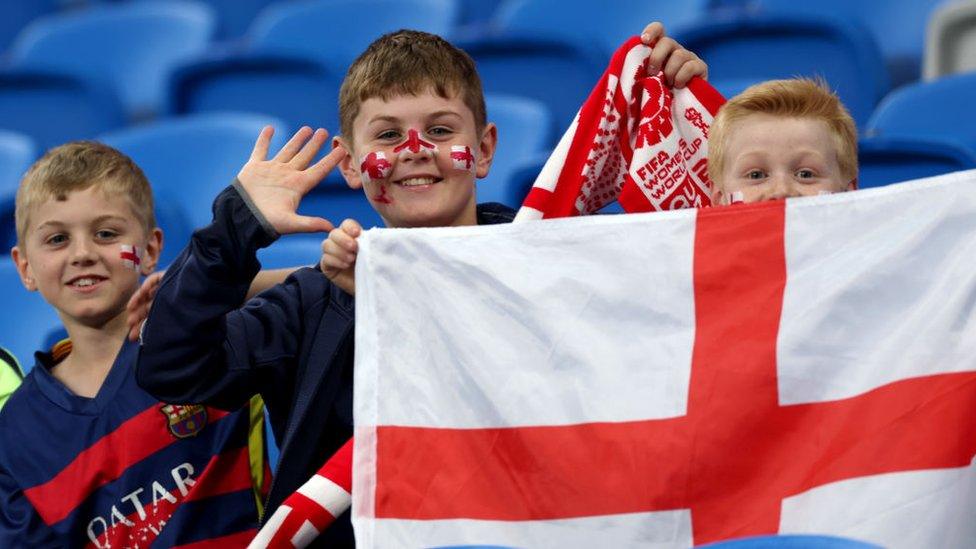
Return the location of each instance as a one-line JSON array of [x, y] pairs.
[[88, 457], [414, 137]]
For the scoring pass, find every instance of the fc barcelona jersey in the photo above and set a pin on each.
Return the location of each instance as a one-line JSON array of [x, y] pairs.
[[123, 469]]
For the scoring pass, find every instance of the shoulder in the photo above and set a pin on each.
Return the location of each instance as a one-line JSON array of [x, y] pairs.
[[493, 213]]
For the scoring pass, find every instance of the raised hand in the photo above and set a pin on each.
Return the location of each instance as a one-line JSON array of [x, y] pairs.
[[137, 309], [679, 65], [276, 186], [339, 255]]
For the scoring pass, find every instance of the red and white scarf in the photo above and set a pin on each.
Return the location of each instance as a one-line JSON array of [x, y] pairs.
[[635, 140]]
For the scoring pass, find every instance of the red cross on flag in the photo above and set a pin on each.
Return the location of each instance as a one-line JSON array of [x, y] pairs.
[[677, 378]]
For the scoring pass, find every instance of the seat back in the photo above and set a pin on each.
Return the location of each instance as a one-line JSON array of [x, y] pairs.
[[882, 161], [17, 152], [128, 47], [940, 109], [523, 133], [298, 91], [585, 24], [950, 44], [27, 319], [53, 108], [758, 48], [335, 32]]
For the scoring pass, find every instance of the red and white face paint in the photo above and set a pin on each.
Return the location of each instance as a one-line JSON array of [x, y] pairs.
[[462, 158], [131, 256], [374, 167], [736, 197], [414, 144]]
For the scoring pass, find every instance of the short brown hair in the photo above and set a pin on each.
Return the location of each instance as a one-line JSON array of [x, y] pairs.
[[796, 98], [76, 166], [408, 62]]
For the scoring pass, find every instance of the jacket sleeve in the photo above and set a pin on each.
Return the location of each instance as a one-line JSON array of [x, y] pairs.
[[198, 344], [20, 525]]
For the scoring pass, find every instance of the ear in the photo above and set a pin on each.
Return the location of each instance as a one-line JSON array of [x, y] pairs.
[[718, 196], [349, 165], [154, 246], [23, 268], [486, 149]]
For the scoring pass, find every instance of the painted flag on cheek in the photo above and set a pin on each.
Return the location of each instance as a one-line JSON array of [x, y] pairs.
[[798, 366]]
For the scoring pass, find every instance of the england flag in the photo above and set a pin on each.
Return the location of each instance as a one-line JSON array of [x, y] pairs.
[[675, 378]]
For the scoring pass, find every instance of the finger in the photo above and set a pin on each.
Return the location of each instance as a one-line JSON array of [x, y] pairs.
[[260, 151], [660, 53], [677, 60], [688, 71], [351, 227], [293, 145], [652, 33], [320, 169], [310, 149], [334, 255], [344, 240], [309, 224]]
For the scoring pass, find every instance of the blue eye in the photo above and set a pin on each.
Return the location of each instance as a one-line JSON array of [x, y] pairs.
[[56, 239], [439, 131], [389, 134], [755, 174], [106, 234]]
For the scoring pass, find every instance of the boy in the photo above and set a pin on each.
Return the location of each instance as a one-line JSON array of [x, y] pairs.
[[780, 139], [414, 137], [87, 456]]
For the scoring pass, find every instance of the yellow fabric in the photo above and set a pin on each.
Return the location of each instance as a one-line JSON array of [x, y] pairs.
[[256, 450]]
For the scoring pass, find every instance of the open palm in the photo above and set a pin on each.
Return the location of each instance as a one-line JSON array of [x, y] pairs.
[[276, 186]]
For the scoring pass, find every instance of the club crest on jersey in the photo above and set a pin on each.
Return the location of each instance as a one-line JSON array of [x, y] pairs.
[[185, 421]]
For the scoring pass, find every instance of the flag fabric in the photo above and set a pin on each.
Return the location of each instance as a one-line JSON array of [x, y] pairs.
[[635, 140], [676, 378], [305, 514]]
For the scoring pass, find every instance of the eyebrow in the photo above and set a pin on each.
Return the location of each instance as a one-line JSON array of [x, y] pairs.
[[96, 221], [394, 119]]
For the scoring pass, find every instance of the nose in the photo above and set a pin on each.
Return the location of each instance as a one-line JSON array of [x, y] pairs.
[[781, 187], [82, 252], [415, 148]]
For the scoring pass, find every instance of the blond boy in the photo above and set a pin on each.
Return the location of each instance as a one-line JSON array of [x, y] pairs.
[[414, 137], [87, 456], [780, 139]]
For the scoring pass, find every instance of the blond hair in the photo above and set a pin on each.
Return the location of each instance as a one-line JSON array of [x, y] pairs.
[[792, 98], [409, 62], [76, 166]]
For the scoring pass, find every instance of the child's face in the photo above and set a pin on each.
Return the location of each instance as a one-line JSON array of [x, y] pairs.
[[770, 158], [77, 253], [417, 157]]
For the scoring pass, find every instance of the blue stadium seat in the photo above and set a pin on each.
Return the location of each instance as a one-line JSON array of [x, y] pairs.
[[587, 25], [902, 49], [234, 17], [299, 250], [298, 91], [757, 48], [335, 201], [335, 32], [18, 13], [17, 152], [129, 47], [189, 160], [882, 161], [940, 109], [523, 133], [558, 74], [54, 108], [27, 318], [787, 541]]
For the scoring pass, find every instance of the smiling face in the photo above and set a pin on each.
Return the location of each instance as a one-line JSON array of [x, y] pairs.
[[74, 252], [417, 158], [771, 157]]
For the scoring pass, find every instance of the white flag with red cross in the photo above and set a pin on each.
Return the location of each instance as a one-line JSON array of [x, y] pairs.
[[676, 378]]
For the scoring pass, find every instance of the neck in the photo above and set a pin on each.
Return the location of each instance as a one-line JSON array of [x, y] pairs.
[[93, 351]]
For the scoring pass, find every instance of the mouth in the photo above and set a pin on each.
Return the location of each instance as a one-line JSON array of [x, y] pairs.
[[85, 282], [418, 181]]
